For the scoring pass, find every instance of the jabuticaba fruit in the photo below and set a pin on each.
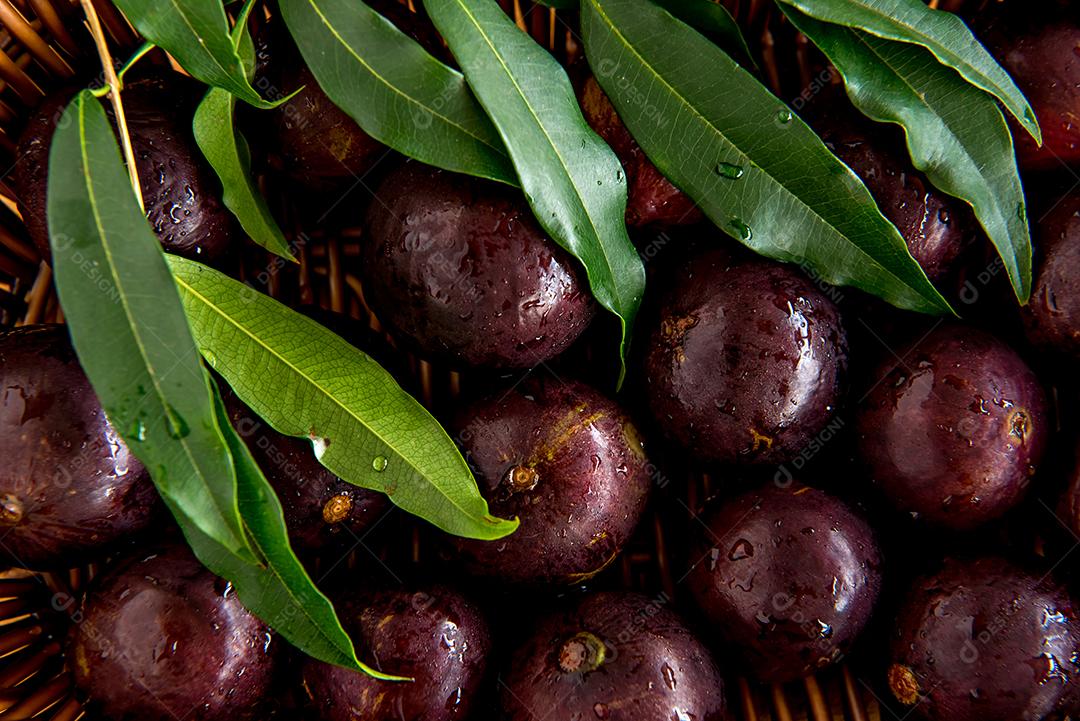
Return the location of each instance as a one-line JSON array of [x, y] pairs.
[[309, 138], [788, 576], [984, 640], [937, 228], [1052, 317], [434, 636], [458, 269], [162, 638], [652, 200], [1038, 49], [69, 487], [954, 432], [613, 657], [181, 194], [566, 461], [746, 360], [321, 510]]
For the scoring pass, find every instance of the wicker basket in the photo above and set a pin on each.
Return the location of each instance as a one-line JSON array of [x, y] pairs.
[[41, 44]]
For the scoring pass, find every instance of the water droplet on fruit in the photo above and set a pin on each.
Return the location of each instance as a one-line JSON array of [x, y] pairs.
[[669, 676], [742, 230], [741, 550], [601, 710], [729, 171], [379, 463]]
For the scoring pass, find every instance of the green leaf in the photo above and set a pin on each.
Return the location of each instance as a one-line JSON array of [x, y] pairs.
[[128, 325], [196, 33], [942, 33], [278, 591], [394, 89], [712, 20], [956, 133], [307, 382], [752, 166], [226, 149], [572, 179]]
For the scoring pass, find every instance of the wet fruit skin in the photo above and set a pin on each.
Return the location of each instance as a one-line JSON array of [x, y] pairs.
[[613, 657], [567, 462], [788, 576], [69, 487], [321, 510], [434, 636], [459, 270], [1052, 317], [954, 433], [163, 638], [652, 200], [746, 362], [1038, 49], [180, 191], [936, 228], [984, 640]]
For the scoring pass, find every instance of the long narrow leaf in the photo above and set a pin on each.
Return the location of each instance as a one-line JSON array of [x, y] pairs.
[[196, 33], [129, 329], [307, 382], [942, 33], [279, 591], [394, 89], [956, 133], [572, 179], [752, 166]]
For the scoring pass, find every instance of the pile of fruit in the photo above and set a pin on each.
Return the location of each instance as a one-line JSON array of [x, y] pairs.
[[886, 483]]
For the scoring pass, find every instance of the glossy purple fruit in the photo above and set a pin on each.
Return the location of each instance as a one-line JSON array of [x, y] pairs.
[[181, 193], [652, 200], [984, 640], [936, 227], [69, 486], [460, 271], [1052, 317], [163, 638], [954, 432], [1039, 50], [567, 462], [321, 510], [746, 362], [788, 576], [613, 657], [436, 637]]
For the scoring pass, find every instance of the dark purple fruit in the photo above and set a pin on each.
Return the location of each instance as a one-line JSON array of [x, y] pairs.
[[613, 657], [953, 433], [163, 638], [321, 510], [984, 640], [936, 228], [652, 200], [180, 191], [569, 463], [1039, 51], [1052, 317], [459, 269], [788, 576], [69, 487], [746, 362], [435, 637]]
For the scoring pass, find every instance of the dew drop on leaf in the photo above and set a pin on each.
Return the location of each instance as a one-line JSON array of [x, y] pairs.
[[744, 232], [729, 171], [379, 463]]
